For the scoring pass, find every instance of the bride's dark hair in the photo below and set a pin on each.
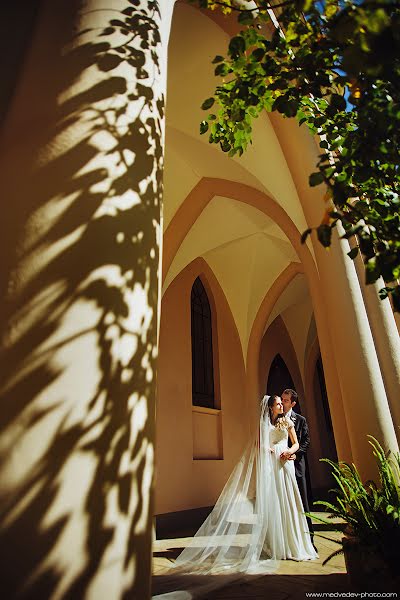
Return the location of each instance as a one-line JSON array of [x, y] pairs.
[[280, 421]]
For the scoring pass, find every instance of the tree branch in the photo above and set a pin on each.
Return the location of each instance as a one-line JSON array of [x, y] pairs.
[[262, 7]]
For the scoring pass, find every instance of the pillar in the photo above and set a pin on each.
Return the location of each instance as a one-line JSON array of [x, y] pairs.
[[386, 339], [365, 401], [81, 157]]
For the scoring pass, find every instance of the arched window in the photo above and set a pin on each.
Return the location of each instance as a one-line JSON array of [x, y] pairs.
[[279, 379], [202, 348]]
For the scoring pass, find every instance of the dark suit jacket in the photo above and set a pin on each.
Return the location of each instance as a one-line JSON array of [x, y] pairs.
[[303, 437]]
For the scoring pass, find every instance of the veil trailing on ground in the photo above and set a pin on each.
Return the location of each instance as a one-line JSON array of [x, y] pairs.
[[240, 536]]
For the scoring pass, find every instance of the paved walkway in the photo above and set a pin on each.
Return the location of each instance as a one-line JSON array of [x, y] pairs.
[[293, 580]]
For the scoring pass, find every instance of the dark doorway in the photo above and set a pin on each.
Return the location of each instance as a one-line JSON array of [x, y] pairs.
[[279, 379]]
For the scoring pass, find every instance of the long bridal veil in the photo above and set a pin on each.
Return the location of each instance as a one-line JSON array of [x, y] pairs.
[[240, 536]]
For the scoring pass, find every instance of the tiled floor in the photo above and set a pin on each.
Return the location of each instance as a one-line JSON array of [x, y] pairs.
[[292, 580]]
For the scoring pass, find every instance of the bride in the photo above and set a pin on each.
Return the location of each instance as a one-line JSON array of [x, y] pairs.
[[257, 520]]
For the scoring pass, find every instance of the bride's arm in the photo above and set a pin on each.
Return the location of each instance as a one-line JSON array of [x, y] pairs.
[[295, 443], [288, 454]]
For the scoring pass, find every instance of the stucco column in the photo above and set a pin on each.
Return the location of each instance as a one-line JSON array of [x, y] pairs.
[[364, 396], [81, 174], [386, 338], [299, 151], [365, 404]]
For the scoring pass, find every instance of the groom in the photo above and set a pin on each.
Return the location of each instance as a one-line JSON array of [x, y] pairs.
[[289, 399]]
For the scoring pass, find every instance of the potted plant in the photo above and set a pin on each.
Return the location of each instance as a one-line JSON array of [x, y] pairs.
[[371, 514]]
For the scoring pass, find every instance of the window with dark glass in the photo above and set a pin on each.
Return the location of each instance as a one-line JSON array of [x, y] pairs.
[[202, 349]]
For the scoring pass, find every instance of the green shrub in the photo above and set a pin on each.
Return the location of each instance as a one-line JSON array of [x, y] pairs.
[[371, 511]]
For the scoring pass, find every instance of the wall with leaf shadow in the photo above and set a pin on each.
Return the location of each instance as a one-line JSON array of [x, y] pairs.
[[81, 171]]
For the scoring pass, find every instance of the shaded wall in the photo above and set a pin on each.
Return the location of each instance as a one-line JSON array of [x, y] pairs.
[[17, 26]]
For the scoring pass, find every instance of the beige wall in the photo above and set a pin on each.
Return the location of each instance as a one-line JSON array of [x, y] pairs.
[[181, 481]]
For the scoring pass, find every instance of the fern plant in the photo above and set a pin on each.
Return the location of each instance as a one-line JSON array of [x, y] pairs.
[[370, 510]]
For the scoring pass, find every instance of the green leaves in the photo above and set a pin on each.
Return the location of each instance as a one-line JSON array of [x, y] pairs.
[[208, 103], [285, 105], [258, 54], [220, 70], [245, 17], [237, 46], [336, 71], [338, 102], [372, 272], [324, 233], [305, 235], [384, 292], [203, 127], [353, 253], [370, 510], [316, 179]]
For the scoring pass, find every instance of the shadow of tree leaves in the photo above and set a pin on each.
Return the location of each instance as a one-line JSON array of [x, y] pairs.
[[108, 234]]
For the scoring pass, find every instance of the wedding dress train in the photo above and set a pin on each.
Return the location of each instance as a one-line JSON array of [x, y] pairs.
[[257, 520]]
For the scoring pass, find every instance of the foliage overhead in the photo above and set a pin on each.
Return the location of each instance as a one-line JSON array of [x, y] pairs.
[[334, 65]]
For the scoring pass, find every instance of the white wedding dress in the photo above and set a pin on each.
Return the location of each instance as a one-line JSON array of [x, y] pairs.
[[257, 520], [288, 536]]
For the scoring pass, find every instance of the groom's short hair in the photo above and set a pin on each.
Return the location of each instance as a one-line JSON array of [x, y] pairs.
[[293, 395]]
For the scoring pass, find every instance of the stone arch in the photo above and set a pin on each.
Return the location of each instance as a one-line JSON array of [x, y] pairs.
[[254, 389], [180, 225], [203, 192]]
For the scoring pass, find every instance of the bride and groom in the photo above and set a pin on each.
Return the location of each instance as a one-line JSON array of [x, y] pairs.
[[259, 515]]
